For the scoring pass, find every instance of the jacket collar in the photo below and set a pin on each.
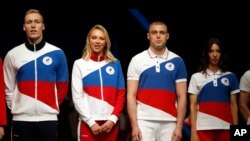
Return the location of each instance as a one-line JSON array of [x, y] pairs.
[[97, 58], [31, 46]]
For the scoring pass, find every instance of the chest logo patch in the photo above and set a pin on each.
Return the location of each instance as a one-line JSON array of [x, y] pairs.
[[110, 70], [225, 81], [47, 60], [169, 66]]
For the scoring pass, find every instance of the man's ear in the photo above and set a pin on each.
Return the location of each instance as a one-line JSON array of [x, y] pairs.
[[148, 35], [168, 36]]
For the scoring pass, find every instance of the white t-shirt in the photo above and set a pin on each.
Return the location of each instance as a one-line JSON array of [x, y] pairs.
[[213, 91], [245, 86]]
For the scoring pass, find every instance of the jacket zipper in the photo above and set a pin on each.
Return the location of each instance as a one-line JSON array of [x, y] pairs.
[[100, 74], [35, 61]]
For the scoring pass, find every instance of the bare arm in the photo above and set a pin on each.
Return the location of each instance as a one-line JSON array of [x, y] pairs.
[[243, 101], [132, 87], [181, 90], [234, 108], [193, 116]]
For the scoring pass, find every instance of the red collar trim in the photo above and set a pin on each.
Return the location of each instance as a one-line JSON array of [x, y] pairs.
[[97, 58]]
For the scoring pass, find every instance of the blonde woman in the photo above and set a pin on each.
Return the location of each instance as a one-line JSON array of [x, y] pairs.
[[98, 88]]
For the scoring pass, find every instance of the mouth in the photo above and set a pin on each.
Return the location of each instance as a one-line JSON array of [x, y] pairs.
[[214, 60], [33, 31]]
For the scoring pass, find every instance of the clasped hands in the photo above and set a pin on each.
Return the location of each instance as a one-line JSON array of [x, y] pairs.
[[104, 128]]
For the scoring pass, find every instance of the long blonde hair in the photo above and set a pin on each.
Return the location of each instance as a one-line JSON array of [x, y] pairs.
[[107, 53]]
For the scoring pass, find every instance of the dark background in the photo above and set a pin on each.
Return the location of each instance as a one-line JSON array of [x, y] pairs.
[[190, 24]]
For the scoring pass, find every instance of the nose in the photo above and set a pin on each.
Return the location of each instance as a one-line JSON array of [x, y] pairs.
[[33, 24], [98, 41], [214, 55], [158, 35]]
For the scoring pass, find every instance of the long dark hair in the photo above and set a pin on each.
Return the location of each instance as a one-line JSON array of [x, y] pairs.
[[205, 57]]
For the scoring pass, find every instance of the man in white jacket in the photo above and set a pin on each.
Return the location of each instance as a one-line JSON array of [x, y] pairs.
[[36, 79]]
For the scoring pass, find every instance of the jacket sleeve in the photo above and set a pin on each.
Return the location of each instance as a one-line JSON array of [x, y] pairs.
[[62, 76], [80, 100], [9, 79], [120, 96], [3, 116]]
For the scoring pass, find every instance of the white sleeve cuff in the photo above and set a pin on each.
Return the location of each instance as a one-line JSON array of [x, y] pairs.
[[113, 118], [90, 122]]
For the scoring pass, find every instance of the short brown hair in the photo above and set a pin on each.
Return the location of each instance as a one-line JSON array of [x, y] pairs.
[[33, 11]]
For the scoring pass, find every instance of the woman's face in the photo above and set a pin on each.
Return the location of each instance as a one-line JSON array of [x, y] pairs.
[[97, 41], [214, 54]]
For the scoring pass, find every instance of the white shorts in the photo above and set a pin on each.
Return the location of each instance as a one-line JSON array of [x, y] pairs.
[[156, 130]]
